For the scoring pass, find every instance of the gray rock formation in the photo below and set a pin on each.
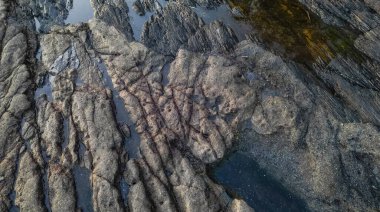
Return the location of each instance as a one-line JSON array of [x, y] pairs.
[[114, 13], [92, 120], [359, 14]]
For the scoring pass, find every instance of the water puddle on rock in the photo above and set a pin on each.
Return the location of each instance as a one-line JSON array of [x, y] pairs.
[[45, 88], [124, 189], [223, 13], [60, 12], [66, 133], [137, 21], [38, 24], [83, 188], [45, 185], [82, 11], [12, 197], [243, 178], [165, 74]]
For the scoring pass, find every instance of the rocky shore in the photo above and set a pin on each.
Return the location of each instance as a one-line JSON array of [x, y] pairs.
[[96, 117]]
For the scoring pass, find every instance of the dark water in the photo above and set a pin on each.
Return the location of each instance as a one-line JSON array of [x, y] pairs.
[[295, 32], [83, 188], [243, 178], [45, 187], [124, 189], [12, 197]]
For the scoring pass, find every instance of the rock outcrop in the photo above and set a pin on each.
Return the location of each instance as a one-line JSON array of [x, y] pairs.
[[92, 120]]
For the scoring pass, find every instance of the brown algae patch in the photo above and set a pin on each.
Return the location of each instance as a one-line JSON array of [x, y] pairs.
[[300, 35]]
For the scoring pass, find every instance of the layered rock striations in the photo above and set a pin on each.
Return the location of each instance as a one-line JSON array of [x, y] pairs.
[[93, 120]]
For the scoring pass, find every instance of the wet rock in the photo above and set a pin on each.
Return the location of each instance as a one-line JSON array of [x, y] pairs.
[[168, 31], [114, 13], [48, 13], [214, 37], [239, 206], [369, 43], [139, 8], [357, 14], [311, 126], [359, 158], [125, 130], [373, 4], [352, 83], [187, 30], [203, 3], [142, 6], [237, 12]]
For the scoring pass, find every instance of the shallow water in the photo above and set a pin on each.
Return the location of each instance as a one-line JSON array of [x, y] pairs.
[[137, 21], [293, 31], [124, 189], [12, 197], [83, 188], [223, 14], [244, 179], [81, 12], [45, 185], [45, 89]]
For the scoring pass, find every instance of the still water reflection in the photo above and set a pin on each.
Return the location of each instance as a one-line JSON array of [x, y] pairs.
[[81, 12], [244, 179]]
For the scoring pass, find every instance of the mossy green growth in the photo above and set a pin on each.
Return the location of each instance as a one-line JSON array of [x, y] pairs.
[[301, 34]]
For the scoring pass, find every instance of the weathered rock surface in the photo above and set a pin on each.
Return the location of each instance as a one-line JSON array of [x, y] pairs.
[[100, 122], [114, 13], [358, 14], [47, 12], [168, 31], [17, 49], [143, 6], [179, 26], [369, 43], [306, 150], [177, 129]]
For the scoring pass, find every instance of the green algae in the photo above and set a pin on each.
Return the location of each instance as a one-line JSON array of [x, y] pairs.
[[298, 33]]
